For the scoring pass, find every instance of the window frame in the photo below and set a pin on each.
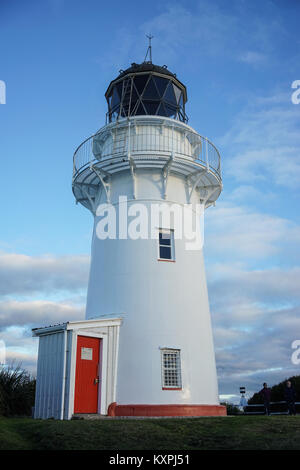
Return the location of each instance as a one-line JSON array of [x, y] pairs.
[[177, 369], [172, 245]]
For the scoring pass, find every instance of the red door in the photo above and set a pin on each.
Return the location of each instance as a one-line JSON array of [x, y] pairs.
[[87, 375]]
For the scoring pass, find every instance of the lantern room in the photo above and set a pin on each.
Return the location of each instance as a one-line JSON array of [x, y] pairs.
[[146, 89]]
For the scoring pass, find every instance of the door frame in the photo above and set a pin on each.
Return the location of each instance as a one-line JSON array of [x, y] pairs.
[[80, 338], [101, 407]]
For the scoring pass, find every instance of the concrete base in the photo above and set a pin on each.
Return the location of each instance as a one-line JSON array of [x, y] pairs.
[[166, 410]]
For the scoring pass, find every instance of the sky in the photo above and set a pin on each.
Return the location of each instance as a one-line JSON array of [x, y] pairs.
[[238, 60]]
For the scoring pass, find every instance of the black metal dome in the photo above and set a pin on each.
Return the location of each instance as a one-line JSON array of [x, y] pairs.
[[146, 67], [146, 89]]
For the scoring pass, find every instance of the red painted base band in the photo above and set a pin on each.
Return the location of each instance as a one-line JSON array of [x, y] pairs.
[[166, 410]]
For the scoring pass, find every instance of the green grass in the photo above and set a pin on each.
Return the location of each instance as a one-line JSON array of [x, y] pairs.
[[231, 433]]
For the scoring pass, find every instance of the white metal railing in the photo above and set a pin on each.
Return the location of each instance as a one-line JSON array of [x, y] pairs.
[[142, 135]]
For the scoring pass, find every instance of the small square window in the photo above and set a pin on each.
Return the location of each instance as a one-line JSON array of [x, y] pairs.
[[166, 244], [171, 368]]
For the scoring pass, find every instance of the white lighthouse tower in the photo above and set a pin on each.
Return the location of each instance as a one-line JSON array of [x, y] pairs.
[[146, 346], [147, 155]]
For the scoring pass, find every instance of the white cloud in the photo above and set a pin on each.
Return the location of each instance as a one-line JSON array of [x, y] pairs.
[[242, 300], [243, 233], [256, 312], [246, 194], [180, 26], [264, 143], [253, 58], [22, 274], [38, 312], [20, 347], [208, 29], [18, 318], [256, 317]]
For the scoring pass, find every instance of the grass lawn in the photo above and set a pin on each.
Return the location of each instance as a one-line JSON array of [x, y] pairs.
[[232, 433]]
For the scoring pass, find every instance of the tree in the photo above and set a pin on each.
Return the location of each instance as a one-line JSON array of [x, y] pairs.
[[277, 391]]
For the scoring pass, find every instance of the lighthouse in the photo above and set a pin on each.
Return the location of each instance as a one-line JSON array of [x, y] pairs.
[[146, 345]]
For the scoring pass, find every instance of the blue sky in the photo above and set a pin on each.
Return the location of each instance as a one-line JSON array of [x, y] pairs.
[[238, 60]]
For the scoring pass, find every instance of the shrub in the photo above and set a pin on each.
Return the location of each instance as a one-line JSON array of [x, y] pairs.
[[231, 409], [17, 390]]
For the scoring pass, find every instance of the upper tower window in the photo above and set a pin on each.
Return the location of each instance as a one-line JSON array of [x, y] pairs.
[[146, 89], [166, 245]]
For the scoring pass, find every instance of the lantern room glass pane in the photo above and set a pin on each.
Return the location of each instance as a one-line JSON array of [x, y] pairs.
[[140, 110], [115, 98], [151, 106], [161, 110], [169, 94], [170, 111], [177, 92], [119, 87], [134, 95], [140, 82], [161, 84], [151, 91]]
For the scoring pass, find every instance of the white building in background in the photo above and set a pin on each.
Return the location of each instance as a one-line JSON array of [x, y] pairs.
[[146, 346]]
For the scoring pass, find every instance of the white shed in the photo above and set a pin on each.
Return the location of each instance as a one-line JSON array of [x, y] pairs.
[[76, 369]]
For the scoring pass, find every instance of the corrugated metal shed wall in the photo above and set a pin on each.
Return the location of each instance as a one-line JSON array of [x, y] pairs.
[[49, 376]]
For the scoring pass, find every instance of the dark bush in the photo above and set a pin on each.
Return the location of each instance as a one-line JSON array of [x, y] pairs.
[[277, 391], [277, 395], [17, 391], [231, 409]]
